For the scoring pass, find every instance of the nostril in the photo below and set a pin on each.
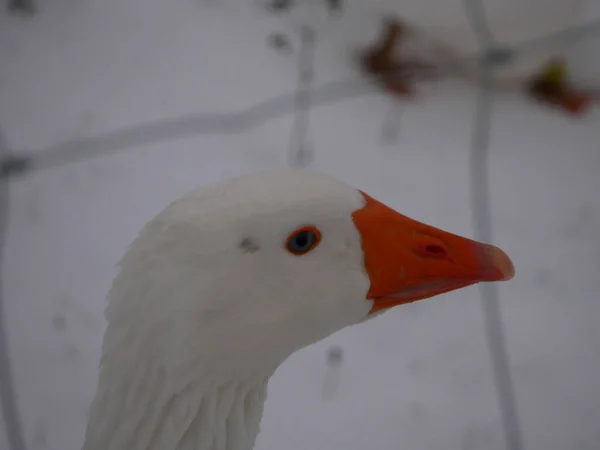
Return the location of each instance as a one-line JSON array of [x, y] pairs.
[[435, 251], [431, 247]]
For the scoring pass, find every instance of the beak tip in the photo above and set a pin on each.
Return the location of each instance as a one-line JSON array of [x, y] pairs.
[[500, 261]]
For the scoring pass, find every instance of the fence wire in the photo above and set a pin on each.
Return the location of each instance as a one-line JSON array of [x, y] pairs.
[[23, 162]]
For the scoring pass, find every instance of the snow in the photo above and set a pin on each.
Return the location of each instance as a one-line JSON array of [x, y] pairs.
[[417, 378]]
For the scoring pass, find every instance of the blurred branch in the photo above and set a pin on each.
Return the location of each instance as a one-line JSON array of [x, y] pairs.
[[237, 122], [301, 149], [482, 222], [24, 8], [8, 394], [477, 18]]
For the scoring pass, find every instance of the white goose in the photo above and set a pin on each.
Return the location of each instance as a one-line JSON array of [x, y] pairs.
[[231, 279]]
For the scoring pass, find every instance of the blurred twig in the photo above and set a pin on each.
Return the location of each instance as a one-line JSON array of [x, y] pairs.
[[481, 211], [477, 18], [24, 8], [482, 222], [8, 393], [237, 122], [301, 148]]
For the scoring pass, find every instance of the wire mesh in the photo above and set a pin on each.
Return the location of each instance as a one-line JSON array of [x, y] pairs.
[[23, 162]]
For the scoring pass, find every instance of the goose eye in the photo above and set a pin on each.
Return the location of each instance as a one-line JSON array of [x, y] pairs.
[[303, 240]]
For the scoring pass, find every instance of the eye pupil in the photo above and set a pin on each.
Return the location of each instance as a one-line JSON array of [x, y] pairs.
[[303, 240]]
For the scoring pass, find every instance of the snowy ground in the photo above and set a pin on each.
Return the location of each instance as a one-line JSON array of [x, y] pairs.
[[419, 377]]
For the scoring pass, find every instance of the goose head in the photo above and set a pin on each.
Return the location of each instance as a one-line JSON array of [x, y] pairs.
[[231, 279]]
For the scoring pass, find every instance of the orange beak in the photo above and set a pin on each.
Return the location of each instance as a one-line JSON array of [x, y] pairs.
[[408, 261]]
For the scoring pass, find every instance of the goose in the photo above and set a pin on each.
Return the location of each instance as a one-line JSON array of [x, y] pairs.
[[231, 279]]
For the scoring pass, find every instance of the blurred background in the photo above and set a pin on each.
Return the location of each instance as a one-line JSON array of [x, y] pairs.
[[111, 109]]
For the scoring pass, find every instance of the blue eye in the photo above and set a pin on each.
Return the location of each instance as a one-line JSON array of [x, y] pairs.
[[303, 240]]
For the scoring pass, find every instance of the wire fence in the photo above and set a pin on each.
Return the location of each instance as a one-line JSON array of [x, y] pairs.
[[23, 162]]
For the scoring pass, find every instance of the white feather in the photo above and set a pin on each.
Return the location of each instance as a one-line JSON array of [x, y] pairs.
[[198, 322]]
